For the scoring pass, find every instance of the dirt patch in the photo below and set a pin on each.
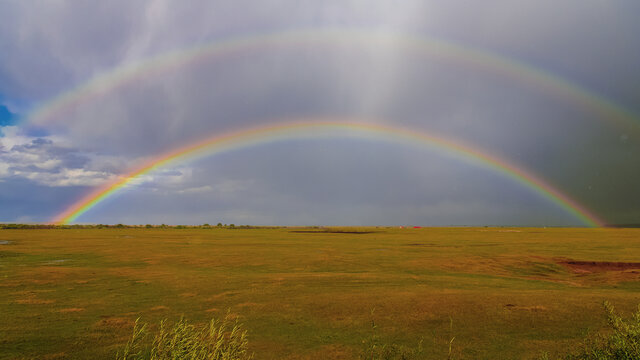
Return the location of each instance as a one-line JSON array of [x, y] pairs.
[[60, 355], [34, 301], [158, 308], [30, 293], [70, 310], [598, 266], [433, 245], [5, 242], [249, 304]]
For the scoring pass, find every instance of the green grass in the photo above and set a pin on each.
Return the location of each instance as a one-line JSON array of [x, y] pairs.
[[218, 340], [309, 295]]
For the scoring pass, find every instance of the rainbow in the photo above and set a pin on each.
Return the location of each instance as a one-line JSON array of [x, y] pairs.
[[125, 74], [307, 128]]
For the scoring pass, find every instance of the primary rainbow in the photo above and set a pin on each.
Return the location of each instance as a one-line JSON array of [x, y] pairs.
[[487, 61], [306, 128]]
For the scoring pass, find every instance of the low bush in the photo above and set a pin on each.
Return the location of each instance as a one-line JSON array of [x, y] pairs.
[[620, 341]]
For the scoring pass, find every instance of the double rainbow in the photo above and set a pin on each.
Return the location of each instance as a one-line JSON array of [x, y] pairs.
[[545, 82], [308, 128]]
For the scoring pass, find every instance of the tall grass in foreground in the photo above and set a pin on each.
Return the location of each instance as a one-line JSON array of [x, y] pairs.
[[226, 340], [620, 341], [219, 340]]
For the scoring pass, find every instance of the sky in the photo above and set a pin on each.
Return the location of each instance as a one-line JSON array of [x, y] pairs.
[[568, 111]]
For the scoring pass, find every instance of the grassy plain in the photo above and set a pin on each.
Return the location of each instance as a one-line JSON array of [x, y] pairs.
[[504, 293]]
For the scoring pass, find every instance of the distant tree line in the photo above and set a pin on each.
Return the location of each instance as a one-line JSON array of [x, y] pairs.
[[124, 226]]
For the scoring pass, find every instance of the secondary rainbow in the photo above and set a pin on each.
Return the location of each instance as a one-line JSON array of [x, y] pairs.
[[306, 128], [127, 73]]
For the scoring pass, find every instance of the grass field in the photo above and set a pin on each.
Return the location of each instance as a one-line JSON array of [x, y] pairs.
[[503, 293]]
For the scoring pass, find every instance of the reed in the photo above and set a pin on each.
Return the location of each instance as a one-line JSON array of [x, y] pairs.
[[219, 340]]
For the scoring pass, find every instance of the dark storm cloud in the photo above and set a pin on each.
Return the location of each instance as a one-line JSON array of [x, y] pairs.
[[292, 183], [49, 48], [28, 201]]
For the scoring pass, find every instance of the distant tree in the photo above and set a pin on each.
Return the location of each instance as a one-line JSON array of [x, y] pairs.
[[148, 226], [219, 225]]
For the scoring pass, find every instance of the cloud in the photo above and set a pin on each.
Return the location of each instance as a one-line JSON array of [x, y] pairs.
[[51, 48], [44, 162]]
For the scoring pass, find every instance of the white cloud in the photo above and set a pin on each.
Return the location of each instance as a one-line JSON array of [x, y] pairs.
[[196, 190], [45, 162], [68, 177]]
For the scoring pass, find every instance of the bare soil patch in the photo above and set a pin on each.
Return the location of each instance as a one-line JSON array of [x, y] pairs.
[[61, 355], [70, 310], [598, 266]]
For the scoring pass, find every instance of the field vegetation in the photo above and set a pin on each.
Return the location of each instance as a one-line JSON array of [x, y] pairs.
[[308, 293]]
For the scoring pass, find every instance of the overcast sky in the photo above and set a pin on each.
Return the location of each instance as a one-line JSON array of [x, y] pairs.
[[48, 48]]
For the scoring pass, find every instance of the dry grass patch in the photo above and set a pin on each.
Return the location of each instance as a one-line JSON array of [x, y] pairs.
[[34, 301], [114, 323], [55, 356], [526, 308]]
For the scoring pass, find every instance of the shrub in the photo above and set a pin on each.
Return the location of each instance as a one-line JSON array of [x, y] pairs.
[[216, 341], [620, 341]]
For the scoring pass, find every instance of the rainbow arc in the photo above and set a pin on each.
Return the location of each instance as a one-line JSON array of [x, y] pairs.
[[306, 128]]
